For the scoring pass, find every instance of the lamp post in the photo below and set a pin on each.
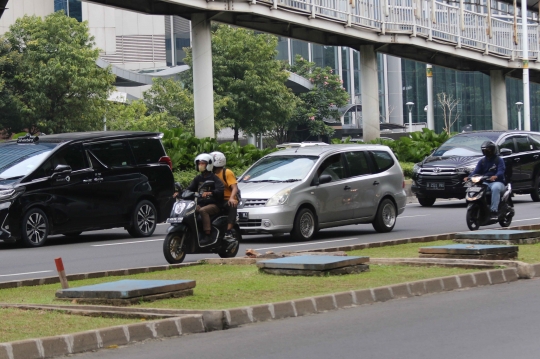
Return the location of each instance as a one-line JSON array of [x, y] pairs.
[[518, 106], [410, 106]]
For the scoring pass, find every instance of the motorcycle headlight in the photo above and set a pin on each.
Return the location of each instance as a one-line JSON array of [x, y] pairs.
[[179, 207], [279, 198], [476, 179]]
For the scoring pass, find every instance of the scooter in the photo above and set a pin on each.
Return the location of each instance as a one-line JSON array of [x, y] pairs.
[[478, 196], [185, 233]]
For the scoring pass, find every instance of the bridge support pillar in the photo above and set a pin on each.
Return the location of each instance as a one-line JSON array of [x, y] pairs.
[[499, 108], [203, 86], [369, 84]]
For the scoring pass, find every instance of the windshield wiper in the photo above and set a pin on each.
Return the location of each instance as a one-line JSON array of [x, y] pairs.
[[273, 181], [291, 180]]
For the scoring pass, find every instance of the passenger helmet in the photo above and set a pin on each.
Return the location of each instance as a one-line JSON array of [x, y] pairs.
[[489, 148], [207, 158], [219, 159]]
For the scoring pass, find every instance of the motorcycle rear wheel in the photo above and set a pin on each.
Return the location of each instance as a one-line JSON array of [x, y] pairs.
[[171, 247], [223, 253], [506, 220], [473, 217]]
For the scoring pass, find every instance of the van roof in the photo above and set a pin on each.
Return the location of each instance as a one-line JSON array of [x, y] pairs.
[[95, 135], [319, 150]]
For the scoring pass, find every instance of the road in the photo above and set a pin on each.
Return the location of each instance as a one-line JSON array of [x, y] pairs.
[[495, 322], [115, 249]]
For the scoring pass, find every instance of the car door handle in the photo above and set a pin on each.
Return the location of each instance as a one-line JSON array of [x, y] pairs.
[[99, 179], [516, 159], [87, 180], [376, 183], [346, 188]]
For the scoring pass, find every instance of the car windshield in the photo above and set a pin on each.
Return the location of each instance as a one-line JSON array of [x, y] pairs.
[[19, 160], [462, 146], [280, 169]]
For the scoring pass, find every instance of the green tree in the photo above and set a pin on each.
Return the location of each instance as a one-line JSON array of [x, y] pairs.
[[134, 117], [249, 84], [57, 86], [169, 98], [9, 118]]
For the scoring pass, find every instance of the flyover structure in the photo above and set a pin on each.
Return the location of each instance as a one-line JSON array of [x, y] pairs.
[[439, 33]]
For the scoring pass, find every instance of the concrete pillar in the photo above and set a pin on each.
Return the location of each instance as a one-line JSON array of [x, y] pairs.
[[430, 104], [499, 108], [203, 86], [369, 84], [395, 90]]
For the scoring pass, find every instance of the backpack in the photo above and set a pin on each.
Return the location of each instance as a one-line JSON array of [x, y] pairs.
[[238, 195]]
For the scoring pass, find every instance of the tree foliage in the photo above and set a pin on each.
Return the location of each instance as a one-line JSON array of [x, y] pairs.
[[56, 85], [134, 117]]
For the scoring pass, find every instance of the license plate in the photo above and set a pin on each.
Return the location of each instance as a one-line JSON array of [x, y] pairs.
[[175, 220], [435, 185], [243, 216]]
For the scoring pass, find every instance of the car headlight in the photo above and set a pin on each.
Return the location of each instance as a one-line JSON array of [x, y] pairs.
[[416, 168], [279, 198], [8, 194]]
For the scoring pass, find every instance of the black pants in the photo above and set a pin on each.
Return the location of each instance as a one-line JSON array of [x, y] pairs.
[[231, 213]]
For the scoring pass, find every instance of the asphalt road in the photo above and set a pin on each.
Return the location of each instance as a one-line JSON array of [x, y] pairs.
[[115, 249], [495, 322]]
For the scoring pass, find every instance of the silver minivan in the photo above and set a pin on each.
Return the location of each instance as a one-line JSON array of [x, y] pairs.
[[301, 190]]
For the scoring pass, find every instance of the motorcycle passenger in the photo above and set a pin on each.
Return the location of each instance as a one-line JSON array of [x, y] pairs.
[[230, 195], [492, 166], [209, 203]]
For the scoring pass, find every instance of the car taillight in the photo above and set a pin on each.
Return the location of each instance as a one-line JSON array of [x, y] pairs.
[[166, 160]]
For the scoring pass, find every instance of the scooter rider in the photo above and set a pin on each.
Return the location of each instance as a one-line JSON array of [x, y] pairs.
[[209, 203], [492, 166], [231, 190]]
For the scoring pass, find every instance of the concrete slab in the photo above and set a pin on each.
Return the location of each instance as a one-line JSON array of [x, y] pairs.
[[126, 289], [472, 249], [492, 234], [312, 263]]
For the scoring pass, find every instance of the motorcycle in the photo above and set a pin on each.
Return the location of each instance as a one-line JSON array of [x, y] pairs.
[[184, 235], [478, 196]]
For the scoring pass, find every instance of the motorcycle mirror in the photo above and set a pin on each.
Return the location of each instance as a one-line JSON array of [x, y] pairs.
[[178, 187]]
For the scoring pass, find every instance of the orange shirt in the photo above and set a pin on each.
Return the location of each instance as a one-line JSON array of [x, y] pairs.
[[231, 179]]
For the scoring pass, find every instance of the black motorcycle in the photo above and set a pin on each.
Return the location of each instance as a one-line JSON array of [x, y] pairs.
[[184, 234], [478, 196]]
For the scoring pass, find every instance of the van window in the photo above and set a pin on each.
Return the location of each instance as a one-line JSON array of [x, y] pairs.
[[147, 150], [383, 160], [73, 156], [112, 154], [332, 166], [358, 165]]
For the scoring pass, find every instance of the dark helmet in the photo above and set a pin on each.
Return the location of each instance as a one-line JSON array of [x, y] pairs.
[[489, 148]]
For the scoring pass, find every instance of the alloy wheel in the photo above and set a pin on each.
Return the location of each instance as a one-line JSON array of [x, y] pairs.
[[307, 224], [146, 218], [36, 228], [389, 215]]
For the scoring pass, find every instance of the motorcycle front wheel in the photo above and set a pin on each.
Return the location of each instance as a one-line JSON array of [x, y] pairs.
[[473, 217], [507, 219], [174, 248]]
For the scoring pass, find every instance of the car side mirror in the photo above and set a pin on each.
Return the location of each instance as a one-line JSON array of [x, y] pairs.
[[61, 170], [325, 179], [505, 152]]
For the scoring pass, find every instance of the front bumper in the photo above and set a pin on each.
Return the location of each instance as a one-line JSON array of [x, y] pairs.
[[453, 186], [267, 220], [5, 231]]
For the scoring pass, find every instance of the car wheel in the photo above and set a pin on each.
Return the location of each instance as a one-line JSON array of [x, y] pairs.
[[535, 194], [386, 216], [174, 247], [144, 220], [35, 228], [72, 234], [305, 225], [426, 201]]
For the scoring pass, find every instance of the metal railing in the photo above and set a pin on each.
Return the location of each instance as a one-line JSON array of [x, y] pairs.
[[432, 20]]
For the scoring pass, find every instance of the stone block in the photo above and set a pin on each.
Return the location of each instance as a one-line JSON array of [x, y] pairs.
[[467, 280], [4, 351], [7, 285], [511, 274], [345, 299], [313, 263], [113, 336], [166, 328], [54, 347], [434, 285], [324, 303], [213, 320], [496, 276], [364, 296], [140, 331], [536, 269], [417, 288], [25, 349], [261, 313], [84, 341], [238, 316], [304, 306], [507, 234], [481, 278], [450, 283], [400, 290], [382, 294], [192, 324], [283, 310]]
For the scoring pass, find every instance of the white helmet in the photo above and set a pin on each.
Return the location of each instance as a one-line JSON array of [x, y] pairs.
[[207, 158], [219, 159]]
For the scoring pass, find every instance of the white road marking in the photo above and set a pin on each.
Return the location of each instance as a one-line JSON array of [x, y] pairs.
[[417, 215], [308, 244], [118, 244], [522, 220], [10, 275]]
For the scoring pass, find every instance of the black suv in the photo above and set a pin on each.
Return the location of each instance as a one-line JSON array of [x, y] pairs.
[[75, 182], [441, 174]]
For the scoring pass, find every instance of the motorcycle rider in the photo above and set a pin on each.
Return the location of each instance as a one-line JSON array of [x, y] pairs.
[[492, 166], [231, 191], [209, 203]]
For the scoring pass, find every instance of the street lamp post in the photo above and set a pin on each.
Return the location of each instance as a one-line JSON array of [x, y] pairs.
[[410, 106], [518, 106]]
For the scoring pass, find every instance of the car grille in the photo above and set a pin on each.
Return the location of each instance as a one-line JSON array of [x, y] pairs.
[[437, 171], [250, 223], [449, 180], [254, 202]]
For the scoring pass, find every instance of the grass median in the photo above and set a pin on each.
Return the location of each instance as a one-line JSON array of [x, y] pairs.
[[221, 287]]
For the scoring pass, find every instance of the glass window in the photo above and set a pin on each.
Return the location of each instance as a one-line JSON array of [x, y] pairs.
[[465, 145], [358, 165], [18, 160], [73, 156], [522, 143], [111, 154], [280, 169], [299, 48], [508, 143], [535, 141], [332, 166], [383, 160], [147, 150]]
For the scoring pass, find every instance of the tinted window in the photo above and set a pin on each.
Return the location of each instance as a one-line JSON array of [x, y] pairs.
[[535, 141], [72, 156], [332, 166], [147, 150], [111, 154], [280, 169], [468, 145], [383, 160], [358, 164], [508, 143], [522, 143], [17, 160]]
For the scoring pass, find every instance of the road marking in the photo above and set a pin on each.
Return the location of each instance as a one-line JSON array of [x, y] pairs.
[[119, 244], [11, 275], [417, 215], [308, 244], [522, 220]]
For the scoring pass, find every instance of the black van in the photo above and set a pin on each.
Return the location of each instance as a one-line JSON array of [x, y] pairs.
[[75, 182]]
